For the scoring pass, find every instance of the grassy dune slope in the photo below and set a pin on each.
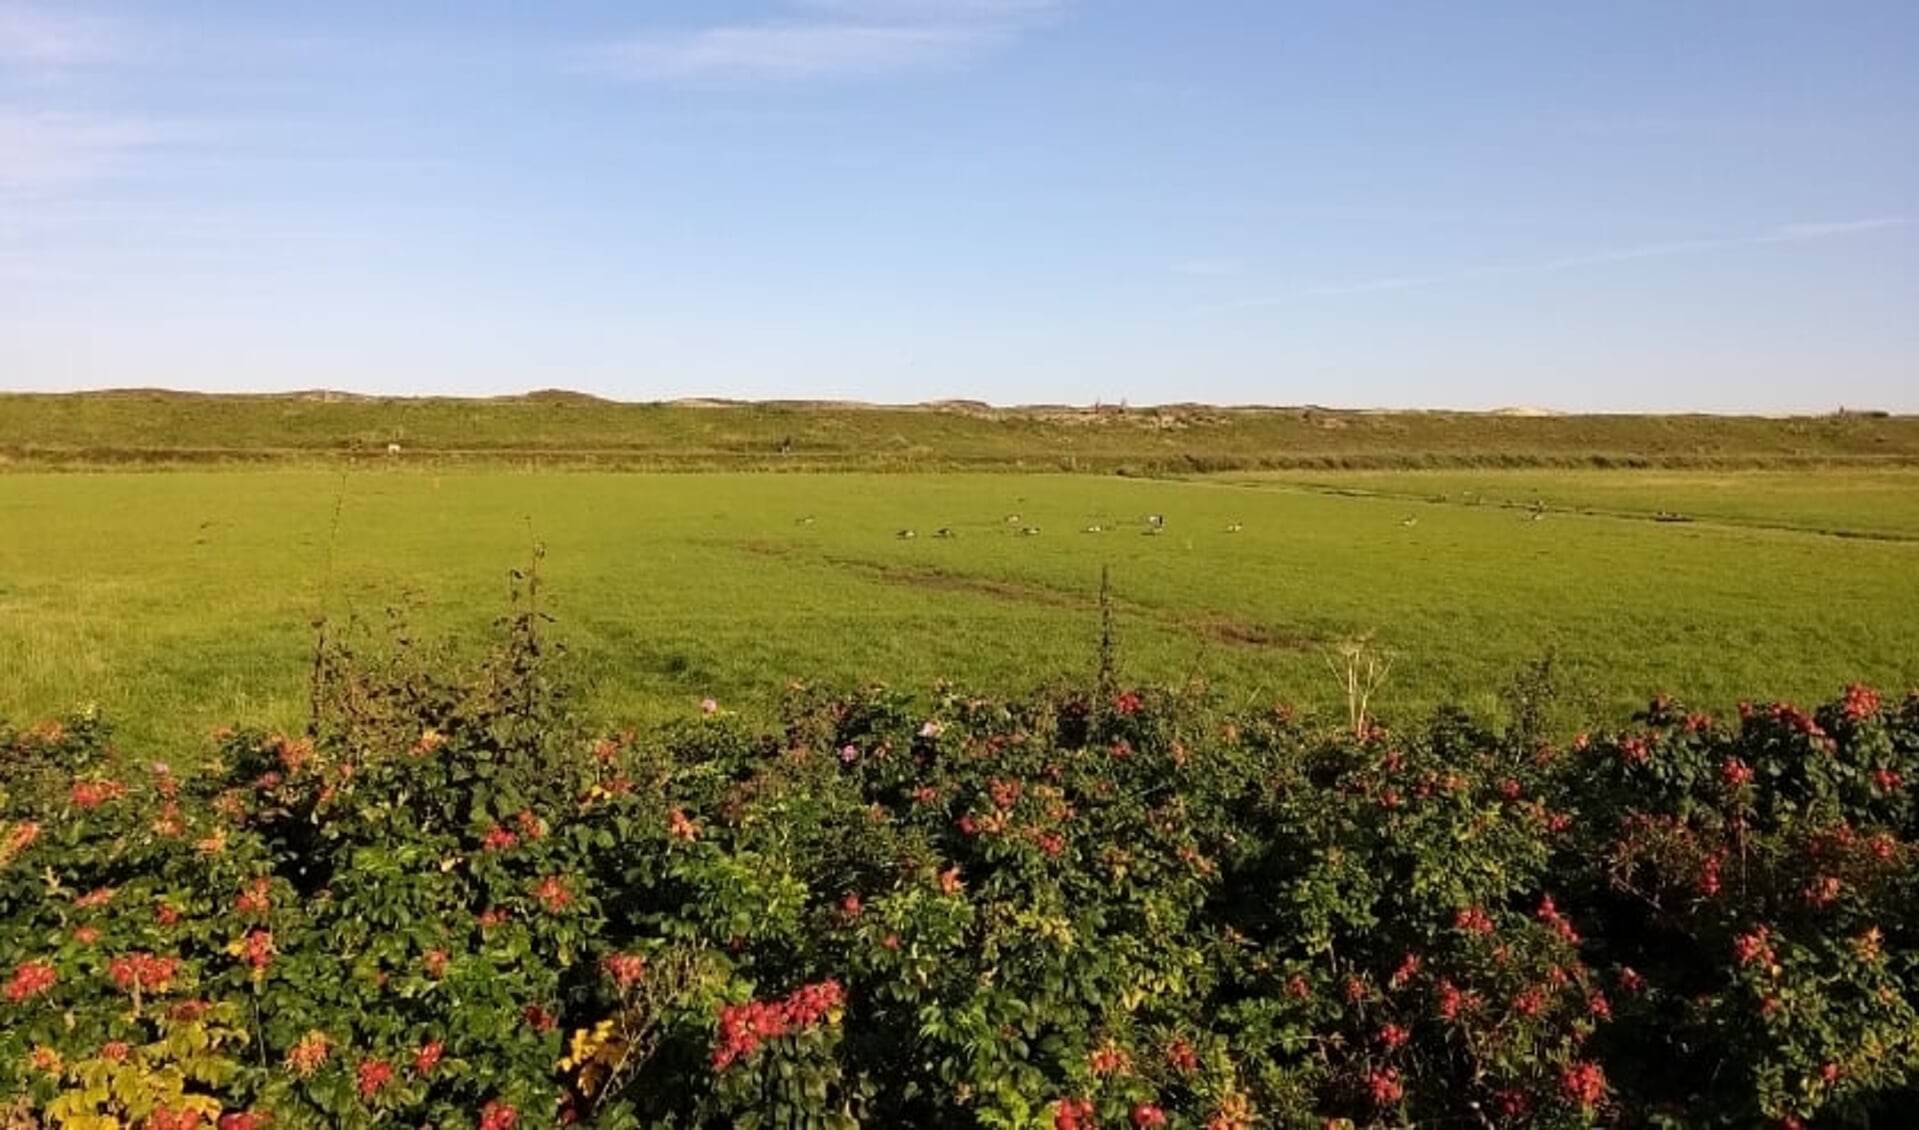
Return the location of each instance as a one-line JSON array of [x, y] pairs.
[[566, 429]]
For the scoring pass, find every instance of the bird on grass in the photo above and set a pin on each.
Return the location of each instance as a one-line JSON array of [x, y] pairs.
[[906, 535], [943, 532], [1409, 520], [1234, 528]]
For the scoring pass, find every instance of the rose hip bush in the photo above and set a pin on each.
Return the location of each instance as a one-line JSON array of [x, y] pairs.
[[448, 904]]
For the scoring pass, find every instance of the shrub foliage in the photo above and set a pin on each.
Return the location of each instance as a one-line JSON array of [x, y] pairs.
[[450, 905]]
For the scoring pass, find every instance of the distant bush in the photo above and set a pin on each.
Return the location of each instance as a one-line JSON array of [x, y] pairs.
[[450, 905]]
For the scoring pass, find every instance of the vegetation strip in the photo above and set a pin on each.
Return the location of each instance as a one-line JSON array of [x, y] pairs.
[[451, 902], [567, 430]]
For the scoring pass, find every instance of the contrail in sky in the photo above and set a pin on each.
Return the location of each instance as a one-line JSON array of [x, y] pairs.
[[1785, 233]]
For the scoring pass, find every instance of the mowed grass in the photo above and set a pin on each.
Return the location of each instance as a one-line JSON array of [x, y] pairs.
[[178, 601]]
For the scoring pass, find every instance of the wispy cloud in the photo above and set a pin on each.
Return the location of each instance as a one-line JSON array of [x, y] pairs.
[[1206, 268], [823, 39], [59, 170], [1785, 233], [42, 151], [48, 38], [932, 9]]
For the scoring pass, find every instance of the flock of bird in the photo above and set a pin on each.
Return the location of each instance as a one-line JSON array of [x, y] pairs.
[[1154, 525]]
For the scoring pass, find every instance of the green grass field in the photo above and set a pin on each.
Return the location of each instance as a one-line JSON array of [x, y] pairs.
[[184, 599]]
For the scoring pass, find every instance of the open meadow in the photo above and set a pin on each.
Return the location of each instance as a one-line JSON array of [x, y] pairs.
[[180, 600]]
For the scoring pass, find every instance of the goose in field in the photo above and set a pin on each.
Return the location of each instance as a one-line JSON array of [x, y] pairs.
[[943, 532], [1234, 527], [906, 535]]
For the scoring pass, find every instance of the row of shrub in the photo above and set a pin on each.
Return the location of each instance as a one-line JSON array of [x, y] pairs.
[[449, 905]]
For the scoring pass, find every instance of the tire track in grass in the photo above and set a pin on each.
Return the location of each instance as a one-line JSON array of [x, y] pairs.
[[1705, 521], [1216, 627]]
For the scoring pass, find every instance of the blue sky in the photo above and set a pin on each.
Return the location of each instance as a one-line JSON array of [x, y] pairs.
[[1665, 205]]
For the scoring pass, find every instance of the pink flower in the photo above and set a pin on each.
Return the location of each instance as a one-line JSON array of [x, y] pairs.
[[93, 794], [1861, 702], [143, 971], [626, 969], [306, 1056], [1584, 1083], [553, 894], [1385, 1086], [1182, 1057], [373, 1075], [709, 706], [30, 979], [256, 899], [258, 949], [1073, 1114], [1110, 1060], [1753, 947]]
